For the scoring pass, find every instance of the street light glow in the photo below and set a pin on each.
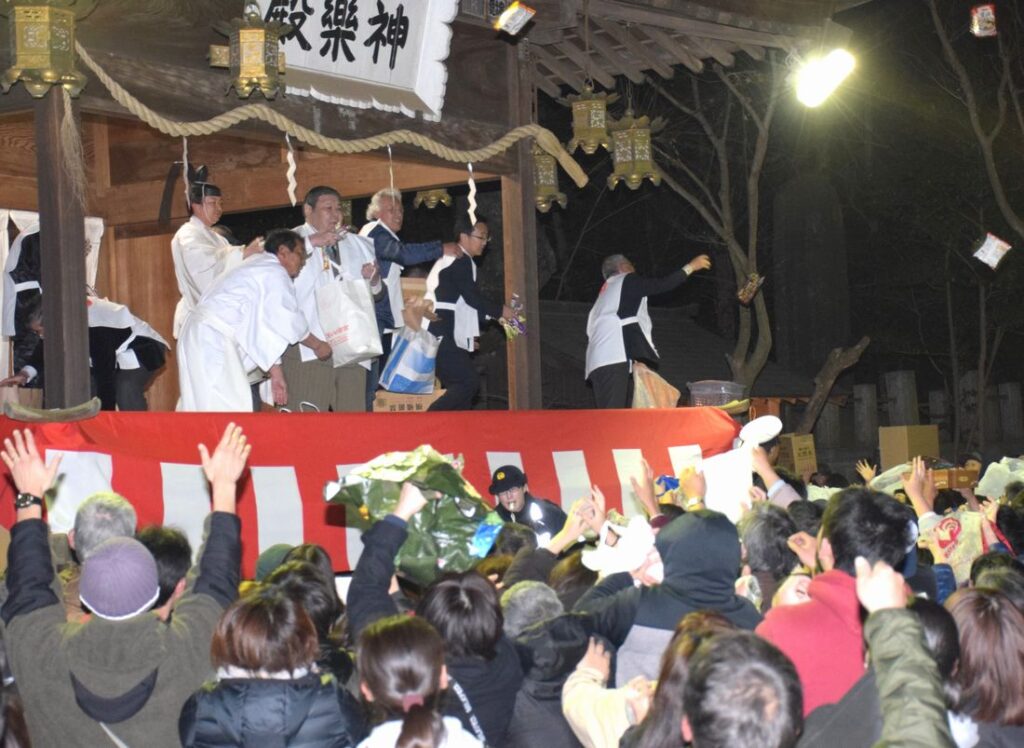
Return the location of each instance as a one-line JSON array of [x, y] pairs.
[[818, 77]]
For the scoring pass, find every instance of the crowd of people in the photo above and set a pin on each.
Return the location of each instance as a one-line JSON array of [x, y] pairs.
[[856, 621]]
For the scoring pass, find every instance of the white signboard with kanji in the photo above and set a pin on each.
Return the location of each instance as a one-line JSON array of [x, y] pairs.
[[386, 54]]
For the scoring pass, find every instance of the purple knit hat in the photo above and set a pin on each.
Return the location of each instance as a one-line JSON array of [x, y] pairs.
[[119, 579]]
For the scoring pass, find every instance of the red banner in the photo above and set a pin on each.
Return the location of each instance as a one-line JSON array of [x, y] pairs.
[[152, 460]]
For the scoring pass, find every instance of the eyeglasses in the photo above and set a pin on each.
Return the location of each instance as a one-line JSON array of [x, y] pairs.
[[484, 239]]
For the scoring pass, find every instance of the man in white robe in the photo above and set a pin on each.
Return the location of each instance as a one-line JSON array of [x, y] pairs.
[[241, 327], [201, 255]]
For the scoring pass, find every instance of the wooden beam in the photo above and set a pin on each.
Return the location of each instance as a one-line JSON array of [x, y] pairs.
[[710, 48], [755, 52], [675, 48], [647, 56], [62, 243], [266, 187], [519, 223], [586, 64], [563, 70], [546, 85], [627, 12], [604, 46]]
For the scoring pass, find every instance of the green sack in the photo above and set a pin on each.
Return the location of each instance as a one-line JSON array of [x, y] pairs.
[[441, 534]]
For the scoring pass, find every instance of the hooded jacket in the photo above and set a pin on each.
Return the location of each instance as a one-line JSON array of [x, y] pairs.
[[548, 653], [81, 682], [823, 637], [701, 555]]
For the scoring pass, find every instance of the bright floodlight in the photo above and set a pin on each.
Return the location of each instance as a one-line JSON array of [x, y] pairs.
[[820, 76]]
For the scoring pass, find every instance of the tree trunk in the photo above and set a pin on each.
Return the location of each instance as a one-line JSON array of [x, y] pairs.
[[838, 361]]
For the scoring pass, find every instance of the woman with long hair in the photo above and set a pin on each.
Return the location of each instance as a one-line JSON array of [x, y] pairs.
[[402, 676], [991, 669]]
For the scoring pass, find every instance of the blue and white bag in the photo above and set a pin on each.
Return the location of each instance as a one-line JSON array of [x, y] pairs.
[[410, 367]]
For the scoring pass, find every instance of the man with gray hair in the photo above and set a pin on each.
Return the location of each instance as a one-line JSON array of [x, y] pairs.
[[619, 327], [385, 215]]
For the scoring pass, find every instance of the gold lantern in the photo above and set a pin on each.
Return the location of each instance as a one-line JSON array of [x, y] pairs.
[[253, 53], [545, 180], [589, 120], [432, 198], [43, 45], [631, 152]]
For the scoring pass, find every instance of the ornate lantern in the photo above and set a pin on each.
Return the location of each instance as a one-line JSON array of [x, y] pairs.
[[254, 54], [631, 152], [545, 181], [432, 198], [589, 121], [43, 45]]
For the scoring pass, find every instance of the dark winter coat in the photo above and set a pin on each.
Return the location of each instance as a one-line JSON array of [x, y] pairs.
[[308, 712]]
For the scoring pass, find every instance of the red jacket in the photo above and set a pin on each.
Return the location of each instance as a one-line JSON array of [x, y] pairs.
[[823, 638]]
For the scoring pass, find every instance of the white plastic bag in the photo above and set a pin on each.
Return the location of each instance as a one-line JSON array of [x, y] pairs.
[[347, 316]]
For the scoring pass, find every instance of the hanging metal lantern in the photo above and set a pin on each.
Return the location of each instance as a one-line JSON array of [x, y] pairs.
[[631, 152], [43, 45], [253, 53], [432, 198], [589, 121], [545, 180]]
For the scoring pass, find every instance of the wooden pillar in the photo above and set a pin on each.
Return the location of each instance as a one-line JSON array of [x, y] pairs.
[[1011, 411], [865, 414], [519, 225], [901, 398], [62, 250]]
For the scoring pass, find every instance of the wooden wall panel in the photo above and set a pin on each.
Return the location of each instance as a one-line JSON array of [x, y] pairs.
[[138, 271]]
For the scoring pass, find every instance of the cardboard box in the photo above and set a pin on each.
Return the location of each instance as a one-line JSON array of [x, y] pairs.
[[955, 478], [797, 454], [396, 402], [899, 444]]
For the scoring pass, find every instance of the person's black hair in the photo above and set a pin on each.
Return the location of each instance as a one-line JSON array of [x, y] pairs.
[[317, 192], [742, 691], [511, 537], [993, 560], [794, 482], [764, 532], [464, 609], [948, 500], [494, 567], [862, 522], [314, 554], [769, 445], [1006, 579], [942, 639], [1013, 488], [837, 480], [305, 584], [806, 515], [1010, 522], [672, 511], [465, 226], [399, 658], [173, 556], [279, 238], [570, 579]]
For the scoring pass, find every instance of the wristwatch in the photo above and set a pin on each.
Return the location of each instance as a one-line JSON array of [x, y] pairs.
[[25, 500]]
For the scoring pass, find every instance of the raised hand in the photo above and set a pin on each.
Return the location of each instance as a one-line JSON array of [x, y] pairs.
[[805, 547], [410, 501], [22, 458], [225, 465], [879, 587], [596, 658], [866, 471], [701, 262]]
